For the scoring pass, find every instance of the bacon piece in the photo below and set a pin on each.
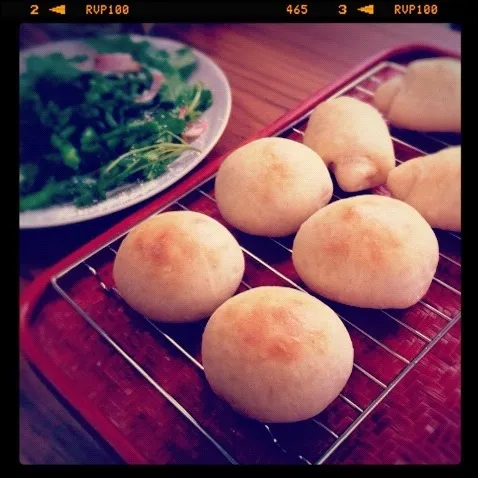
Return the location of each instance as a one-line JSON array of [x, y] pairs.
[[115, 63], [182, 112], [149, 94], [195, 129]]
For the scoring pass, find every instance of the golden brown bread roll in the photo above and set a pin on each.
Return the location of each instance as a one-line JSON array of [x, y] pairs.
[[432, 185], [270, 186], [426, 98], [367, 251], [276, 354], [178, 266], [353, 140]]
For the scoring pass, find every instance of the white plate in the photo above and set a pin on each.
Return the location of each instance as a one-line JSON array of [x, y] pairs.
[[217, 117]]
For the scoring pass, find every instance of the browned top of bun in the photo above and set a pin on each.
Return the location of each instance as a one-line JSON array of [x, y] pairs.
[[275, 173], [280, 332], [358, 220], [162, 241], [279, 335]]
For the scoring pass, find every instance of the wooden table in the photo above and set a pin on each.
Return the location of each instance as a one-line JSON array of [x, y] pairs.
[[271, 67]]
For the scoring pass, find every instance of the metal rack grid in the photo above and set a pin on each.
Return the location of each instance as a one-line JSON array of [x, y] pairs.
[[370, 79]]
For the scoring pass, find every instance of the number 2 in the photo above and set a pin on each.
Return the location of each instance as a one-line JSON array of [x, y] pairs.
[[342, 9], [33, 9]]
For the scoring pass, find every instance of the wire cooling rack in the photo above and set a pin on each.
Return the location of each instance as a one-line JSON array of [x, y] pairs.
[[387, 343]]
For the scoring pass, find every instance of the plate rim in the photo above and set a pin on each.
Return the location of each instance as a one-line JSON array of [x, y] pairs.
[[187, 169]]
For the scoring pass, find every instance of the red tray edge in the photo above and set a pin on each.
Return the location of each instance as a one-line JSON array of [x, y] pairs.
[[32, 293]]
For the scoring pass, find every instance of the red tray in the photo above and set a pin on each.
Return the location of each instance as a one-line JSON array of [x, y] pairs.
[[141, 385]]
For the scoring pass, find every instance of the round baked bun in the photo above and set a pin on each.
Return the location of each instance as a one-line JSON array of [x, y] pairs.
[[353, 140], [432, 185], [178, 266], [270, 186], [367, 251], [427, 97], [276, 354]]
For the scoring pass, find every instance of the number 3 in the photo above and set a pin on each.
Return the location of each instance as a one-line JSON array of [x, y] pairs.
[[342, 9]]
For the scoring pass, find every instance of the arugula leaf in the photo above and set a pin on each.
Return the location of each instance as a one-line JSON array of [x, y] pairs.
[[55, 66], [87, 191], [169, 124], [155, 170], [186, 96], [174, 125], [89, 140], [84, 189], [39, 199], [78, 58], [159, 61], [28, 177], [68, 152], [184, 61], [118, 44], [67, 132], [205, 101], [172, 89]]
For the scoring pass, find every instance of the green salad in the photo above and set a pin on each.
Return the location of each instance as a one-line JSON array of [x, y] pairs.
[[86, 132]]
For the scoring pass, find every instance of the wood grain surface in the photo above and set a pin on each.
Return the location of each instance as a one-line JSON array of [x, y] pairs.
[[271, 68]]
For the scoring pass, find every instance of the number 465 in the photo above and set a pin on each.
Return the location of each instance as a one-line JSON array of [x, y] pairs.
[[297, 10]]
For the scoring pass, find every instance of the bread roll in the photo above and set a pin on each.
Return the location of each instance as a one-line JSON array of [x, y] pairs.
[[432, 185], [178, 266], [367, 251], [270, 186], [276, 354], [426, 98], [353, 140]]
